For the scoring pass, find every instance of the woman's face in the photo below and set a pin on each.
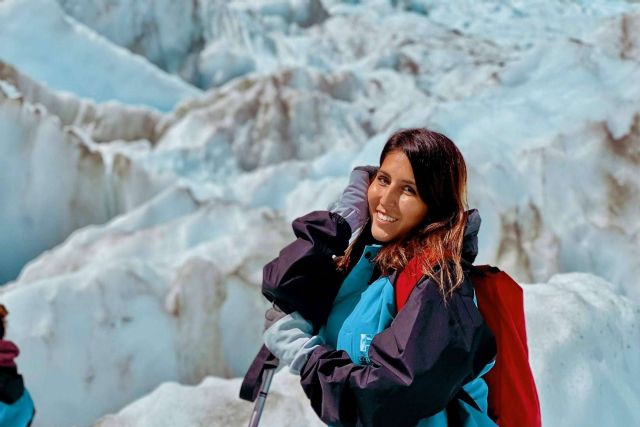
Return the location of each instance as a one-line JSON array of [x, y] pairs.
[[394, 204]]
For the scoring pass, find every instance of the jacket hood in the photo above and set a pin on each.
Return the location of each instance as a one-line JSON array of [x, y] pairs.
[[470, 240]]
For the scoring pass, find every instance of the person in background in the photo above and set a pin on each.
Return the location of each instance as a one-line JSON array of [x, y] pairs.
[[16, 406]]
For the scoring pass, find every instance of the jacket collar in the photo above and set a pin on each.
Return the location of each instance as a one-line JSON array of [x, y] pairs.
[[470, 239]]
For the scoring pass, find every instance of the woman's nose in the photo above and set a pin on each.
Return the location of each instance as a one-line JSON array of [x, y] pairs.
[[388, 198]]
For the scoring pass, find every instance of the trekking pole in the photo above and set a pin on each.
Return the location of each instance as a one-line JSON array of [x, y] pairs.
[[267, 376]]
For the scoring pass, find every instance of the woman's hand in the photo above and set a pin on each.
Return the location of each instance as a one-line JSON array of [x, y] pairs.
[[353, 205], [290, 340], [272, 315]]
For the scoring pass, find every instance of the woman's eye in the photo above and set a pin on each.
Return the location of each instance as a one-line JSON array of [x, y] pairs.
[[382, 179], [409, 190]]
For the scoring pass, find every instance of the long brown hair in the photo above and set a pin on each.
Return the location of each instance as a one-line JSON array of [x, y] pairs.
[[441, 180]]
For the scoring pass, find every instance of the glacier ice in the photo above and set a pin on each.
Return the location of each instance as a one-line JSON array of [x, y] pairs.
[[138, 209]]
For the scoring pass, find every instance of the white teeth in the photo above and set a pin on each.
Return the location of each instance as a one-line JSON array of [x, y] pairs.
[[385, 218]]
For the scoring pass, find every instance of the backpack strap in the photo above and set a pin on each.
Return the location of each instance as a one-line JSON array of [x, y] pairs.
[[478, 270], [252, 381]]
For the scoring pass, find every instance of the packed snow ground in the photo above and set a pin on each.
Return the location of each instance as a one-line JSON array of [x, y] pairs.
[[139, 210], [573, 314]]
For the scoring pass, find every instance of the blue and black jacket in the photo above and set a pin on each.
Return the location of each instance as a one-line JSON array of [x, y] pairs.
[[413, 368]]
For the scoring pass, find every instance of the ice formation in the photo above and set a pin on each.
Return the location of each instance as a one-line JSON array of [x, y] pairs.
[[68, 56], [580, 335], [153, 158]]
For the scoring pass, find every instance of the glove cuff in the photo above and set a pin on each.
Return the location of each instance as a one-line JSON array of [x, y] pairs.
[[286, 337], [301, 357]]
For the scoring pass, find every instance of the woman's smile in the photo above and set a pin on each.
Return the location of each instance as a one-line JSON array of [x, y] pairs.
[[385, 219]]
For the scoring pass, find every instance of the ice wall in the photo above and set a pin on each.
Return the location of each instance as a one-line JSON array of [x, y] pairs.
[[582, 338], [66, 55], [156, 204]]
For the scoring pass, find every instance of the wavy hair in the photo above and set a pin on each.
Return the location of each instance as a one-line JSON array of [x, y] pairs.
[[441, 178]]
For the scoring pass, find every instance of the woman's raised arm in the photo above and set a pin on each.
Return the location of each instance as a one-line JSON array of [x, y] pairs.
[[303, 277]]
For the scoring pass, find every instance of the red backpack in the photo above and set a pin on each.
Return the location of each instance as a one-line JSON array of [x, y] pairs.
[[513, 398]]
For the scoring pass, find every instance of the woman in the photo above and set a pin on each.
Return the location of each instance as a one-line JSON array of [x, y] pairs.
[[16, 406], [390, 352]]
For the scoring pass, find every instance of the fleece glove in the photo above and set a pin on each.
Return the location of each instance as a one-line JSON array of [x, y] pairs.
[[353, 205], [290, 340]]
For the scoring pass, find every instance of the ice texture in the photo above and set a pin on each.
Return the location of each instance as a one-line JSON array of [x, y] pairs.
[[154, 154]]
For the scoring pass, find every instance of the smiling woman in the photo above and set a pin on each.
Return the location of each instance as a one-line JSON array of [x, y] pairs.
[[387, 351], [417, 205]]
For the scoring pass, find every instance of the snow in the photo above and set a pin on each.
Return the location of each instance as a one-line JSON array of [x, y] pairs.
[[162, 31], [33, 216], [207, 43], [69, 181], [583, 344], [589, 128], [139, 301], [138, 210], [583, 341], [104, 122], [214, 402], [84, 62]]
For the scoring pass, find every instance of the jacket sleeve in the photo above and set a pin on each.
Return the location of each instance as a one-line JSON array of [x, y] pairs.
[[303, 277], [418, 364]]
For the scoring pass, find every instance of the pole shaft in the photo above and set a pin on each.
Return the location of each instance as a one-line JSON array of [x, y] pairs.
[[267, 376]]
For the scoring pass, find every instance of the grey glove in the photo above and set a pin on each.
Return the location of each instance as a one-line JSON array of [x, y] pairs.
[[290, 340], [272, 315], [353, 205]]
